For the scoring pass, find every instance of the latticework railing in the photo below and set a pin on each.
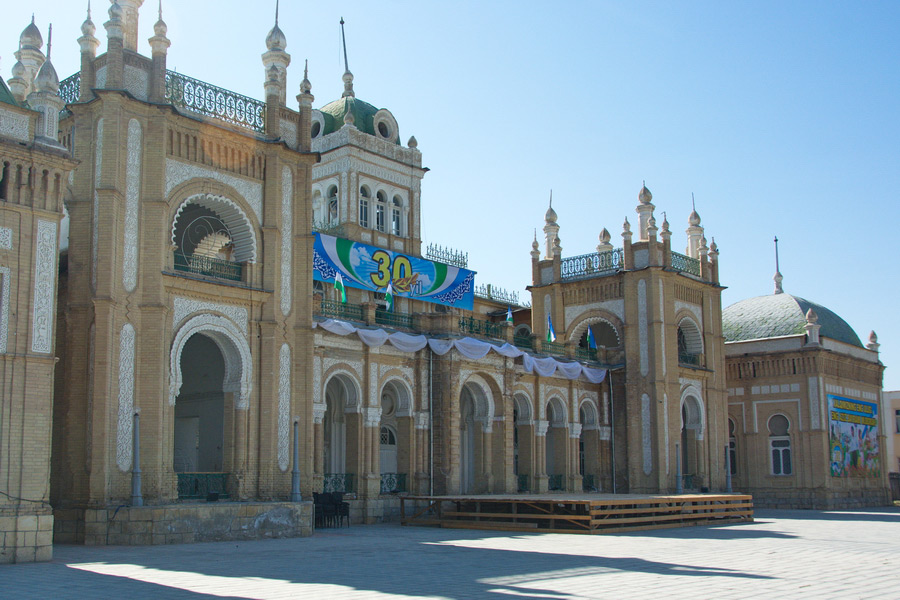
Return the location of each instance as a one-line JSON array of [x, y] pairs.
[[70, 88], [553, 348], [497, 294], [340, 310], [585, 353], [201, 485], [211, 101], [523, 341], [383, 317], [481, 328], [685, 264], [337, 482], [591, 265], [447, 256], [208, 266], [686, 358], [393, 483]]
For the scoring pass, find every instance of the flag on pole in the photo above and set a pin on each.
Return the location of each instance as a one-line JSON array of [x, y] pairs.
[[509, 318], [551, 335], [389, 297], [592, 342], [339, 286]]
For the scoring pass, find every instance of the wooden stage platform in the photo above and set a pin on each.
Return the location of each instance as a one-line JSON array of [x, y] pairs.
[[575, 513]]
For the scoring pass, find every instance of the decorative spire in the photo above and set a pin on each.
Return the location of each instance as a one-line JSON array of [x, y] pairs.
[[778, 278], [305, 85], [348, 76], [644, 196], [535, 252], [873, 342], [694, 219], [49, 40], [550, 217], [413, 142]]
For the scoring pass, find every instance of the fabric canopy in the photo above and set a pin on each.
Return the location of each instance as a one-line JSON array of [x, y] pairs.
[[471, 348]]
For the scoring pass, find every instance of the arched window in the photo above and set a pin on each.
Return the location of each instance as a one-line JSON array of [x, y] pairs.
[[332, 205], [604, 334], [780, 445], [364, 206], [380, 202], [690, 344], [395, 216]]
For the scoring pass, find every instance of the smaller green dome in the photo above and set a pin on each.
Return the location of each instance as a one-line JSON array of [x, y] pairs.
[[778, 315], [363, 116]]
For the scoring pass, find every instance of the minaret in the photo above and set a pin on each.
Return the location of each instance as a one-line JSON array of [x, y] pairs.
[[348, 76], [778, 278], [551, 229], [535, 261], [130, 9], [31, 58], [694, 232], [645, 212], [45, 100], [115, 61], [305, 99], [89, 44], [159, 45], [276, 57]]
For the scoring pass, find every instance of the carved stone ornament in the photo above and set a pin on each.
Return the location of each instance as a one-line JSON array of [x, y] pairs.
[[95, 220], [284, 405], [287, 238], [185, 307], [132, 195], [13, 125], [125, 427], [44, 286], [645, 434], [4, 308], [178, 172], [6, 238]]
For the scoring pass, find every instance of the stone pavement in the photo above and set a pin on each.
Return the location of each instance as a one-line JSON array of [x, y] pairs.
[[783, 554]]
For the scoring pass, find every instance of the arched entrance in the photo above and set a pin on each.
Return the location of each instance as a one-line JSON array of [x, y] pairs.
[[467, 442], [340, 396], [523, 443], [200, 408], [557, 438], [691, 430]]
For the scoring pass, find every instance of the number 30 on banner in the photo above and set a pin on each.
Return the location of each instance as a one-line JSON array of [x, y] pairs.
[[387, 272]]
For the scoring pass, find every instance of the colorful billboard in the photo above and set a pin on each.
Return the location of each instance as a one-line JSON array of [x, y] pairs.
[[853, 439], [370, 268]]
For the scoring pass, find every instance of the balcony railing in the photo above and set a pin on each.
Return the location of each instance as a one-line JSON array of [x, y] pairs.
[[211, 267], [481, 328], [585, 353], [330, 228], [553, 348], [685, 264], [522, 483], [352, 312], [686, 358], [555, 483], [448, 256], [523, 341], [591, 265], [338, 482], [383, 317], [393, 483], [70, 88], [209, 100], [201, 485], [492, 292]]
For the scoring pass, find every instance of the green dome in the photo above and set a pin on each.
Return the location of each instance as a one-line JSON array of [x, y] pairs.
[[781, 314], [363, 116]]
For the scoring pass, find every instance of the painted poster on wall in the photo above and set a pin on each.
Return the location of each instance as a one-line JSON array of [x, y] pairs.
[[853, 426], [371, 268]]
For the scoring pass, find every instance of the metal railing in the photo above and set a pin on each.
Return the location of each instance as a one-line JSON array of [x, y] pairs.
[[209, 100], [353, 312], [201, 485], [337, 482], [383, 317], [522, 483], [447, 256], [211, 267], [590, 265], [481, 328], [686, 358], [329, 228], [70, 88], [523, 341], [553, 348], [492, 292], [392, 483], [685, 264], [587, 483], [585, 353], [555, 483]]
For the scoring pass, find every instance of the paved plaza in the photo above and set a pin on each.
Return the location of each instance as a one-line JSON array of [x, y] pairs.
[[783, 554]]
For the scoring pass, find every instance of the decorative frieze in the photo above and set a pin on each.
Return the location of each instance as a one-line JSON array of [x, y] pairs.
[[13, 125], [287, 237], [125, 427], [178, 172], [6, 238], [642, 327], [645, 434], [44, 286], [137, 82], [132, 195], [662, 330], [185, 307], [4, 308]]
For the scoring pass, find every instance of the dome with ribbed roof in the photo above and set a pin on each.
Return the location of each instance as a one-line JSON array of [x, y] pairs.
[[779, 315], [364, 118]]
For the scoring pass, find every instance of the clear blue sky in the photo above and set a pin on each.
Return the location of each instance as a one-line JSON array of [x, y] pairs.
[[781, 118]]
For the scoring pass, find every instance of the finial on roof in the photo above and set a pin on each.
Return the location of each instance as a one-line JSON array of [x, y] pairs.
[[348, 76], [276, 39], [811, 316], [873, 342], [778, 277], [413, 142], [694, 218], [644, 196], [550, 217], [276, 12], [49, 40]]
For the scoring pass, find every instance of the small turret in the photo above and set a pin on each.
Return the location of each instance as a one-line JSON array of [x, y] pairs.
[[812, 328], [115, 40], [159, 46], [305, 99], [31, 58], [88, 44], [873, 344], [645, 212], [130, 13], [551, 229], [604, 245], [46, 101], [276, 42], [694, 232]]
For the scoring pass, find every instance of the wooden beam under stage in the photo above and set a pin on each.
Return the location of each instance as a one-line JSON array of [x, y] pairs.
[[575, 513]]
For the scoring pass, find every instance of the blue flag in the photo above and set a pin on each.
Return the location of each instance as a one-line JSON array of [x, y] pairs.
[[551, 335], [592, 342], [509, 318]]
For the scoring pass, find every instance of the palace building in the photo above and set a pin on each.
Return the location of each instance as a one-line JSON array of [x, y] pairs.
[[215, 307]]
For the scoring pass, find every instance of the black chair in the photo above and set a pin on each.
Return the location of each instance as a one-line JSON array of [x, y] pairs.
[[326, 512], [342, 509]]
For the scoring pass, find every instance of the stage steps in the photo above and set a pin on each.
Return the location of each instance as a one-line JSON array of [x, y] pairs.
[[584, 513]]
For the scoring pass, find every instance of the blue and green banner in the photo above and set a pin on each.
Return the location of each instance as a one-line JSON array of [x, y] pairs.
[[853, 437], [370, 268]]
